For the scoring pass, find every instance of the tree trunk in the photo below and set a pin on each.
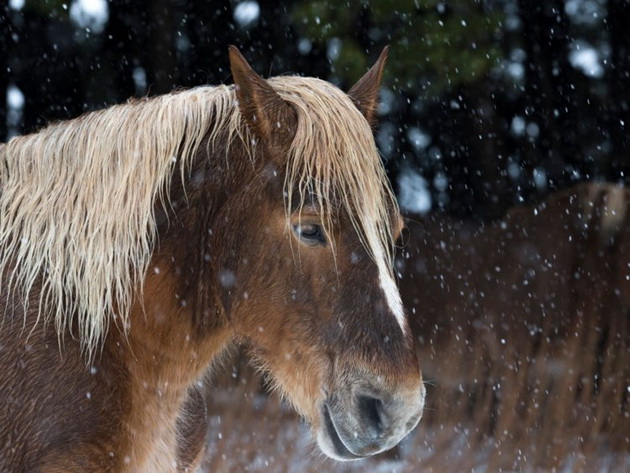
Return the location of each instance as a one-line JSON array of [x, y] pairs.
[[208, 30], [123, 40], [618, 90], [4, 66], [46, 68], [548, 98], [161, 47]]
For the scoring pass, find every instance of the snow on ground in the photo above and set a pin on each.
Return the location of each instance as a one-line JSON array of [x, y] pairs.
[[254, 433]]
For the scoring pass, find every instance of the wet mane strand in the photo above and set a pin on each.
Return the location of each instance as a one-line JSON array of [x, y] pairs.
[[91, 252]]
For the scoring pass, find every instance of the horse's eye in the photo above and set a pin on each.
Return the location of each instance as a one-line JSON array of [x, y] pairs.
[[310, 234]]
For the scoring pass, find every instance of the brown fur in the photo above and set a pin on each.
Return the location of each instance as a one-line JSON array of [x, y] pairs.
[[181, 265]]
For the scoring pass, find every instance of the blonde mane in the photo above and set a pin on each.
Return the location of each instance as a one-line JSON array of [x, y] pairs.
[[77, 199]]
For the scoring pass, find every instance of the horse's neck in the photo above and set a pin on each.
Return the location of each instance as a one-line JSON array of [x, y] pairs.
[[168, 339], [164, 354]]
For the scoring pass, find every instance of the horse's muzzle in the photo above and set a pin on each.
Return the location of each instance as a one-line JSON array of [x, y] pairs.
[[365, 422]]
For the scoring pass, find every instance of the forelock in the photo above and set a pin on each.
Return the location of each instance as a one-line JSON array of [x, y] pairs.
[[334, 159]]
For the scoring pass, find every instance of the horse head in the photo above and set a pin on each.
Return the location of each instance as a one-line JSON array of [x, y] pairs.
[[305, 274]]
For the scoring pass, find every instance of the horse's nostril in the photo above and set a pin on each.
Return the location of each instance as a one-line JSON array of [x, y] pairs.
[[372, 412]]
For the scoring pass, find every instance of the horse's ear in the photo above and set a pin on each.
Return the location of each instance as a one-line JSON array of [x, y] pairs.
[[267, 115], [364, 93]]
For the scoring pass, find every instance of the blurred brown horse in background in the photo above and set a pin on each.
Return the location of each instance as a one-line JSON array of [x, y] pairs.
[[534, 312], [138, 242]]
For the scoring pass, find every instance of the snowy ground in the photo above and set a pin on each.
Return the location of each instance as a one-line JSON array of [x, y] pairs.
[[252, 433]]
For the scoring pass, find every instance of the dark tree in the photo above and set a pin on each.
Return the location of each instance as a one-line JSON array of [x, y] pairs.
[[207, 33], [5, 38], [618, 116], [120, 56], [47, 66], [548, 100]]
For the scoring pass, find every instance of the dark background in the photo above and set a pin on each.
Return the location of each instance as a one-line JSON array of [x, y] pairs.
[[486, 100]]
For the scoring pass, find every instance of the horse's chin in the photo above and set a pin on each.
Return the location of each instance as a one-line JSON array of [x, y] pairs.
[[331, 445], [329, 441]]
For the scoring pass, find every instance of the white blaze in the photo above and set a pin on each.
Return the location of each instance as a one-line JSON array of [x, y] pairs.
[[390, 289], [392, 295]]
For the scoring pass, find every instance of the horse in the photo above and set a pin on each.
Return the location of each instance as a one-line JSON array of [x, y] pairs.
[[139, 242], [538, 334]]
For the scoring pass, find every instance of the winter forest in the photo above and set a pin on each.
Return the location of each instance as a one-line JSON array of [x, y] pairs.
[[503, 128]]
